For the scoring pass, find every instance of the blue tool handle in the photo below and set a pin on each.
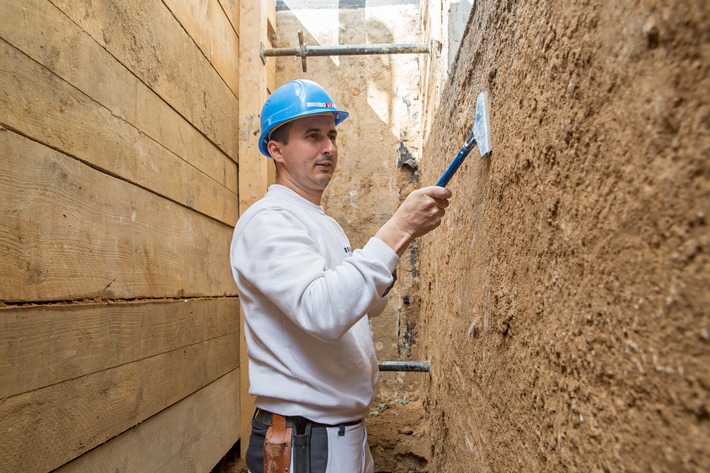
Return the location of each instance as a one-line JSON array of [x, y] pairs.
[[453, 167]]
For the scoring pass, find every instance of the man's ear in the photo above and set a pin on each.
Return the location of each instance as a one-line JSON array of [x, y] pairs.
[[275, 149]]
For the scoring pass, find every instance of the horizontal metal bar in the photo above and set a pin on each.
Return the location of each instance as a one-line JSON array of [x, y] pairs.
[[303, 51], [422, 366], [348, 50]]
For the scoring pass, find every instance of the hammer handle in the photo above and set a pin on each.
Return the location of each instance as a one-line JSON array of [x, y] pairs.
[[455, 164]]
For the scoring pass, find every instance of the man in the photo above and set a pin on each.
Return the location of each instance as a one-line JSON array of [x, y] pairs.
[[307, 296]]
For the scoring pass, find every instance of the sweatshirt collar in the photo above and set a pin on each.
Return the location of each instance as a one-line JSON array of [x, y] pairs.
[[284, 193]]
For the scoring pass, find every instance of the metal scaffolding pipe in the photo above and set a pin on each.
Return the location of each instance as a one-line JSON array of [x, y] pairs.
[[421, 366], [348, 50], [303, 51]]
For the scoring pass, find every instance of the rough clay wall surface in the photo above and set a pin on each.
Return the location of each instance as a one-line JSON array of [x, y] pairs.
[[565, 297]]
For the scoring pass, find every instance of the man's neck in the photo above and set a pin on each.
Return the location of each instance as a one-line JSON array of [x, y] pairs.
[[314, 198]]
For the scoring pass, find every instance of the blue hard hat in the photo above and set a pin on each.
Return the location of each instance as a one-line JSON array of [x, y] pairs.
[[296, 99]]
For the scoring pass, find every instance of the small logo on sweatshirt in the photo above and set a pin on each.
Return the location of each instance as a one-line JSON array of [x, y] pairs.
[[348, 250]]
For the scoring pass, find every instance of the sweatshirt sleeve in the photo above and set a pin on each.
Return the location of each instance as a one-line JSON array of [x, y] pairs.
[[276, 255]]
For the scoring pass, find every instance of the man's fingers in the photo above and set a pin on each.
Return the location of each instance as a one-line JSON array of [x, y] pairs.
[[423, 210], [437, 192], [441, 203]]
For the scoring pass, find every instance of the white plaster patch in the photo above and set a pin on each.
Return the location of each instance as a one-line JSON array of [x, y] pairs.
[[469, 444]]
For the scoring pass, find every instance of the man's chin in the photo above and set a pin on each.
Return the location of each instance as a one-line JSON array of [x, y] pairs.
[[324, 179]]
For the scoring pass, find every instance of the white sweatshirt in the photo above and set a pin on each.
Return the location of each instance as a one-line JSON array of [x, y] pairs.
[[306, 297]]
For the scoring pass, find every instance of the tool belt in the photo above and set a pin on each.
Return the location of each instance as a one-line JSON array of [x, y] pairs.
[[290, 435]]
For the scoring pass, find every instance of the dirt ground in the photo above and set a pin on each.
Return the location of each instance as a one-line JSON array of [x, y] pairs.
[[565, 297]]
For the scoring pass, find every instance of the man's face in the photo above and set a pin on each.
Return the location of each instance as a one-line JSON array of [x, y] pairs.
[[307, 163]]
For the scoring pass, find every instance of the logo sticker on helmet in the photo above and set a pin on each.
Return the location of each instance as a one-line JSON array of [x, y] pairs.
[[320, 104]]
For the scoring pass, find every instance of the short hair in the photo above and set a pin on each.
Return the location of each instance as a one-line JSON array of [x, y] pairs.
[[280, 134]]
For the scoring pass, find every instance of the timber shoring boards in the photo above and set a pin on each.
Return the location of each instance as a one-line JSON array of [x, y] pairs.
[[190, 436], [214, 34], [146, 38], [231, 9], [67, 51], [44, 345], [70, 121], [146, 357], [71, 232], [119, 184]]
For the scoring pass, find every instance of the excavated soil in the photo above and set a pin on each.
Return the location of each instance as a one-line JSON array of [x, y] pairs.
[[565, 297]]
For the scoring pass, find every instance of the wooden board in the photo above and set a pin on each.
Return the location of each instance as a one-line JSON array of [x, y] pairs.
[[47, 427], [45, 345], [71, 232], [70, 121], [71, 54], [231, 9], [209, 27], [147, 39], [191, 436]]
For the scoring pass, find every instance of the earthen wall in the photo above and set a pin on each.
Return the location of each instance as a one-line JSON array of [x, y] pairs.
[[565, 296]]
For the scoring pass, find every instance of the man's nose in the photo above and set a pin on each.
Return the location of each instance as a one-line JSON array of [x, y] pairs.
[[329, 146]]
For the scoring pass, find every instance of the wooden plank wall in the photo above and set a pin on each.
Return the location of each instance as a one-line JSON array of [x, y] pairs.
[[119, 318]]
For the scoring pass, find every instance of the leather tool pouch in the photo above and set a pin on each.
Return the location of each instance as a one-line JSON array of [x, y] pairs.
[[277, 446]]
